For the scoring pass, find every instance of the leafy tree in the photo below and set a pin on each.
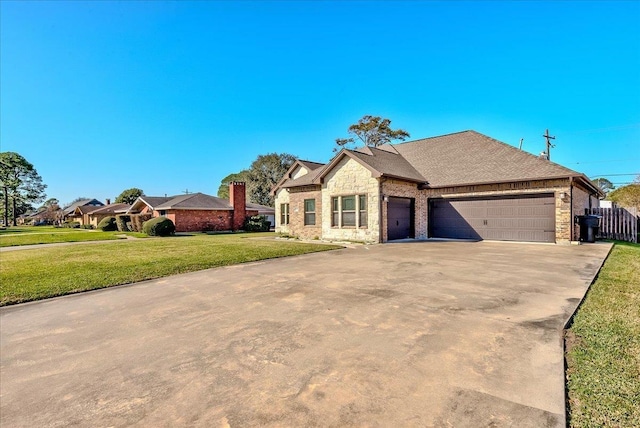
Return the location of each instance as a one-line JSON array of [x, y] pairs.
[[604, 184], [223, 190], [129, 196], [265, 172], [49, 211], [627, 196], [20, 184], [261, 177], [49, 202], [373, 131]]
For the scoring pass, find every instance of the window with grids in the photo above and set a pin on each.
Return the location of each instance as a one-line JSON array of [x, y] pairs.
[[349, 211], [309, 212], [284, 213], [362, 210]]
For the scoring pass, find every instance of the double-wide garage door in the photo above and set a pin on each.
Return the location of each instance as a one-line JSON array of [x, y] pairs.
[[516, 218]]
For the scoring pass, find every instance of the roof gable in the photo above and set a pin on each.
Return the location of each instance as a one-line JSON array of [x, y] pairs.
[[307, 179], [379, 162], [70, 209]]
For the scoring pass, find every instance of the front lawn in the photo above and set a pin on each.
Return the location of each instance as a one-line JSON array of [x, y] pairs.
[[14, 236], [603, 346], [47, 272], [12, 230]]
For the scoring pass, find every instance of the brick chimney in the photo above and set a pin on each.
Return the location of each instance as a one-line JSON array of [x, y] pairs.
[[237, 199]]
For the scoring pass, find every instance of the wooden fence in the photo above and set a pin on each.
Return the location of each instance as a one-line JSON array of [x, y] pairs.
[[617, 223]]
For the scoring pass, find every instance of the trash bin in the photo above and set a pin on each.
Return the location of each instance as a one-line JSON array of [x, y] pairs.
[[589, 226]]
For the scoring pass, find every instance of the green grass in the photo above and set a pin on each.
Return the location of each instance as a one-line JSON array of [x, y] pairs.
[[37, 229], [603, 346], [38, 274], [49, 235]]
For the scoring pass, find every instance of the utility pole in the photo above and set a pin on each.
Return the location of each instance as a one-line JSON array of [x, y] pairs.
[[549, 145]]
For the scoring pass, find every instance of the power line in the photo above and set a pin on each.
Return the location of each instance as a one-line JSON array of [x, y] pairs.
[[607, 161], [614, 175], [610, 128]]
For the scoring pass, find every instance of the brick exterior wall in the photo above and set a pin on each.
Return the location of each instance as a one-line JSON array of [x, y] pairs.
[[350, 178], [199, 220], [404, 189], [582, 200], [296, 212], [237, 199]]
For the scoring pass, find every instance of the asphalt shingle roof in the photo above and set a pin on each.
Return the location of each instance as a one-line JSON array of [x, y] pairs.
[[307, 179], [195, 201], [111, 209], [69, 209], [388, 164], [469, 157]]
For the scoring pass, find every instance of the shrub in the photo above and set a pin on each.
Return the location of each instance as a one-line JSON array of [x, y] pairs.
[[108, 224], [71, 224], [121, 222], [256, 223], [137, 220], [87, 226], [159, 226]]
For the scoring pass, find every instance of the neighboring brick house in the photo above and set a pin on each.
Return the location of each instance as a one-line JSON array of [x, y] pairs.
[[77, 210], [463, 185], [110, 210], [200, 212]]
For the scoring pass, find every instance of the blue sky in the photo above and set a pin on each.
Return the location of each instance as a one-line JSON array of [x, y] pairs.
[[168, 96]]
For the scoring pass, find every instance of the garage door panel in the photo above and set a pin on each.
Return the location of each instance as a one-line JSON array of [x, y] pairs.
[[522, 218]]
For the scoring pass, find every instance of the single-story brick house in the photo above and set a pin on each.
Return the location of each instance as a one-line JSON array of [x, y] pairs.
[[462, 185], [196, 212], [69, 212], [95, 216]]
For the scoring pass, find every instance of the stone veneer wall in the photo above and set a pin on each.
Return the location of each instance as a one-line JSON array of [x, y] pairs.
[[282, 197], [349, 177], [557, 187]]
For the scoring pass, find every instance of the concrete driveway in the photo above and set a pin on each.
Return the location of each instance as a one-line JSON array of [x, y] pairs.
[[414, 334]]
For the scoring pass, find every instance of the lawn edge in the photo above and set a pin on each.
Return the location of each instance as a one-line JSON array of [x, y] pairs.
[[6, 307], [566, 326]]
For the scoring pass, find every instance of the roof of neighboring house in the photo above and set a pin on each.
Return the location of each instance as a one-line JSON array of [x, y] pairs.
[[195, 201], [458, 159], [111, 209], [69, 209], [262, 209], [86, 209], [192, 201]]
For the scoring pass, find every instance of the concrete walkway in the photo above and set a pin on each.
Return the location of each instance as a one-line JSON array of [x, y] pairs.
[[411, 334]]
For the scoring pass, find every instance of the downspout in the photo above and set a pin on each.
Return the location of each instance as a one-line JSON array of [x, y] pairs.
[[381, 202], [571, 209]]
